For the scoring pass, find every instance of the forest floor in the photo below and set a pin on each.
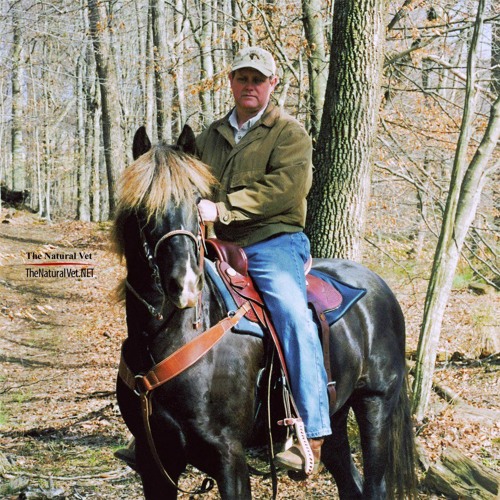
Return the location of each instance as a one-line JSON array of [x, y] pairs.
[[60, 344]]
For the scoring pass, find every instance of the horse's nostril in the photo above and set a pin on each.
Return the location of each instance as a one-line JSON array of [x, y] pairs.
[[173, 287]]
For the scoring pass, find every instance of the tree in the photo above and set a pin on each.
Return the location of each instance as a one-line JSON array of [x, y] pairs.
[[467, 182], [18, 149], [316, 61], [110, 104], [160, 50], [343, 154]]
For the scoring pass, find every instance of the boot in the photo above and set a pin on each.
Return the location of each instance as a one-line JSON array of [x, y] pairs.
[[294, 458]]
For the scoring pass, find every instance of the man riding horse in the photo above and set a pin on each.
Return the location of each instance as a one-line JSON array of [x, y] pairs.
[[262, 159]]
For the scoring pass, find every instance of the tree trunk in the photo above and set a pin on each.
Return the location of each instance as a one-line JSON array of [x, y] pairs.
[[160, 50], [179, 84], [82, 200], [203, 38], [463, 198], [338, 199], [457, 476], [17, 145], [316, 61], [111, 121]]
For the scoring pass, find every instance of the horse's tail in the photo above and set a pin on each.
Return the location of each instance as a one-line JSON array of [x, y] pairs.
[[400, 475]]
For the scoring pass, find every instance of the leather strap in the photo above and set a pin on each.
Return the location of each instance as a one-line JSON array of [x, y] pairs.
[[181, 359], [324, 328]]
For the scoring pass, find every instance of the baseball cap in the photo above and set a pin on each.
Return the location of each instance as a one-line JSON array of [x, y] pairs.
[[257, 58]]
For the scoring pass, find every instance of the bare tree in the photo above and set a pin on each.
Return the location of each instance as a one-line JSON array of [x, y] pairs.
[[111, 120], [18, 149], [467, 182], [160, 49]]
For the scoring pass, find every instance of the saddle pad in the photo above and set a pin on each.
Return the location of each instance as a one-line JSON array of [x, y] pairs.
[[244, 326], [350, 295]]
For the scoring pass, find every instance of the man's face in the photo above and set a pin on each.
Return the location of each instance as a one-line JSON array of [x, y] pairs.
[[251, 90]]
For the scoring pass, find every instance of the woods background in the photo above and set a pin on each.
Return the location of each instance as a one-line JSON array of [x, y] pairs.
[[400, 97]]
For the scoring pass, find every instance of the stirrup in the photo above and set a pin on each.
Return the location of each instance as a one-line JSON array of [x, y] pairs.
[[304, 448]]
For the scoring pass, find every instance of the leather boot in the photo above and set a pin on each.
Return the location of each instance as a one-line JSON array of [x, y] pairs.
[[294, 458]]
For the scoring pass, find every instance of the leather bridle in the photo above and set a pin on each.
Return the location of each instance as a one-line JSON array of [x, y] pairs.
[[151, 257]]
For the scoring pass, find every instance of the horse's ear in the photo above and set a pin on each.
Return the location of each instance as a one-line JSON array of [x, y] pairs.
[[187, 141], [141, 143]]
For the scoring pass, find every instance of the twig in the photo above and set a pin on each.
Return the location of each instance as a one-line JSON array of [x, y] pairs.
[[103, 475]]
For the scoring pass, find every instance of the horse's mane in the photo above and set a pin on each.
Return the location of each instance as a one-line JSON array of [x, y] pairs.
[[157, 179]]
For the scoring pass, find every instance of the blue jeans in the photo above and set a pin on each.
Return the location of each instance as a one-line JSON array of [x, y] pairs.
[[276, 266]]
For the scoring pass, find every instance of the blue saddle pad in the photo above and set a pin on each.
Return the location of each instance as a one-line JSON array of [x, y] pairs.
[[350, 295], [244, 326]]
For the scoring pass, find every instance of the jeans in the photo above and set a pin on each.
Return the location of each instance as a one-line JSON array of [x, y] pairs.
[[276, 266]]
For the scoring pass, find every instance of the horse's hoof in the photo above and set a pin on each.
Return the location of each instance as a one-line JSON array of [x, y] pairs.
[[127, 455], [297, 475]]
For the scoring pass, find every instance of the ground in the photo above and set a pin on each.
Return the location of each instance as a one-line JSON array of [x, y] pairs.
[[60, 344]]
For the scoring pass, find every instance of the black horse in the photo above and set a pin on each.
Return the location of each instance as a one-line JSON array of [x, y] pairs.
[[204, 416]]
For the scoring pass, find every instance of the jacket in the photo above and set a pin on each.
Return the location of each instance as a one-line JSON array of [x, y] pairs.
[[264, 179]]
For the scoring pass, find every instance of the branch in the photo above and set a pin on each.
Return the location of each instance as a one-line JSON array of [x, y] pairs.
[[462, 77], [406, 7]]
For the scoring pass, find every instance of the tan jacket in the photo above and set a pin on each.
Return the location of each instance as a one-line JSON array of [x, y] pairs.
[[264, 179]]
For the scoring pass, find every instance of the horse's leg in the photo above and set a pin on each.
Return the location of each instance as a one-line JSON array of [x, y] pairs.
[[373, 416], [155, 485], [232, 474], [336, 455]]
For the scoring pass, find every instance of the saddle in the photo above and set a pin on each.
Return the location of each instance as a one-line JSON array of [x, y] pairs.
[[323, 298]]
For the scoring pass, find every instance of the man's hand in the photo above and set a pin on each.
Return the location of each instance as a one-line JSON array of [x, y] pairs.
[[208, 211]]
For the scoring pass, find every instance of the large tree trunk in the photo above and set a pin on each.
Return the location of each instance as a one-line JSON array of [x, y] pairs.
[[343, 155], [467, 181], [111, 120], [316, 61]]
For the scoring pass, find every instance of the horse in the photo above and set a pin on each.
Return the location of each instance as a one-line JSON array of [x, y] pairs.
[[204, 415]]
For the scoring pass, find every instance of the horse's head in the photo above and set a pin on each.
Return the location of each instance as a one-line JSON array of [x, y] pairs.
[[159, 190]]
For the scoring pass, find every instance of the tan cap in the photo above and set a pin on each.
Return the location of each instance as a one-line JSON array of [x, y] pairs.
[[257, 58]]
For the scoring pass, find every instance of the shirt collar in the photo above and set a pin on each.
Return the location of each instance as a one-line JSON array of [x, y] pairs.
[[233, 120]]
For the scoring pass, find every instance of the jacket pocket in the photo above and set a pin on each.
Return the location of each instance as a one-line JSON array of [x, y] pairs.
[[241, 180]]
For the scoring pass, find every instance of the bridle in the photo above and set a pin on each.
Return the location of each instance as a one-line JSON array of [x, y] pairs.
[[151, 257]]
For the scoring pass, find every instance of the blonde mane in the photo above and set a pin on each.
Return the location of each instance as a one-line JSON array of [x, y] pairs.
[[156, 180]]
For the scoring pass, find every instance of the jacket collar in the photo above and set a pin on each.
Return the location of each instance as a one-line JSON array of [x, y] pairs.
[[268, 119]]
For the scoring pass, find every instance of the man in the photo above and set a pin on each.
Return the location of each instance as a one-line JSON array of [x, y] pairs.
[[262, 158]]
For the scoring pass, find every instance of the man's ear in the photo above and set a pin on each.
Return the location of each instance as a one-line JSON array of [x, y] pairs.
[[187, 141], [141, 143]]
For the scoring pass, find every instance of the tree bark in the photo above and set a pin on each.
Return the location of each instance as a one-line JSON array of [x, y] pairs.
[[467, 181], [316, 61], [160, 50], [203, 38], [18, 149], [343, 155], [82, 199]]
